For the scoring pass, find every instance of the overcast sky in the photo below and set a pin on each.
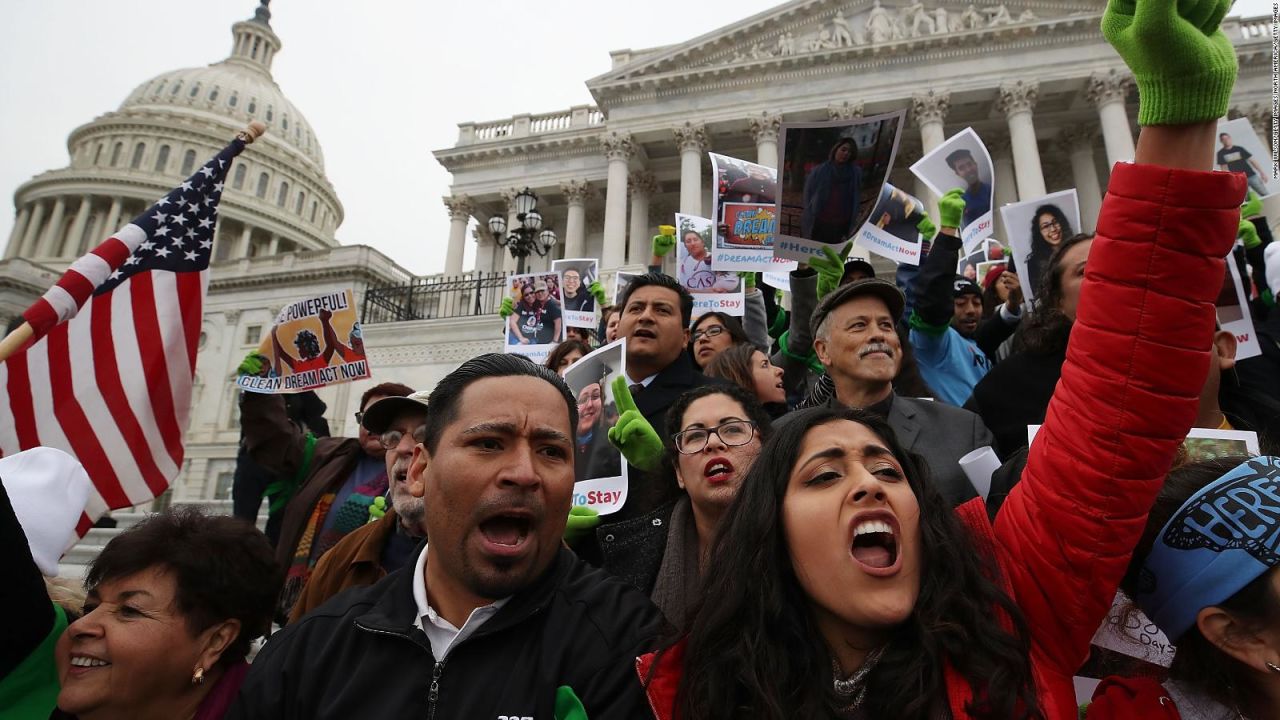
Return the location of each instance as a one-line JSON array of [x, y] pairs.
[[382, 83]]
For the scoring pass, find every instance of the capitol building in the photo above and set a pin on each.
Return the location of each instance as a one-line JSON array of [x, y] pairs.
[[1034, 78]]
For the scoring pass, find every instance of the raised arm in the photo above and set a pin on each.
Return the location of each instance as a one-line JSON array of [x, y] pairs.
[[1138, 354]]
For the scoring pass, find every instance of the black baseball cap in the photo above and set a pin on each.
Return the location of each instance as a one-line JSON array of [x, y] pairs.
[[859, 265], [883, 289], [964, 286]]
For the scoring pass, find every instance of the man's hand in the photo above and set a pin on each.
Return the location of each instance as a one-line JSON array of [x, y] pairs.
[[1012, 286], [830, 268], [597, 292], [951, 209], [634, 437], [927, 228], [507, 307], [582, 520], [662, 245], [1252, 206], [1183, 63]]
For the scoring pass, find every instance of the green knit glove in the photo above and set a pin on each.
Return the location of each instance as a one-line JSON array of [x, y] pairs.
[[1248, 234], [1252, 206], [780, 322], [1182, 62], [582, 520], [252, 364], [927, 228], [597, 292], [568, 706], [634, 437], [748, 280], [830, 268], [507, 307], [662, 244], [951, 209], [377, 509]]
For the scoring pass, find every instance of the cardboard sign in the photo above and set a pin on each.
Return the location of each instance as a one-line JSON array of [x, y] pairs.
[[536, 325], [576, 275], [314, 342], [890, 231], [711, 288], [742, 208], [1035, 228], [963, 162], [600, 472]]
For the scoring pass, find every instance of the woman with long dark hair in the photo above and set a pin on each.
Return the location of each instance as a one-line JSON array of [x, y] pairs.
[[830, 211], [1049, 227], [748, 368]]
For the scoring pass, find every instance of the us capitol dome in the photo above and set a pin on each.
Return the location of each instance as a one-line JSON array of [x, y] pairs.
[[277, 197]]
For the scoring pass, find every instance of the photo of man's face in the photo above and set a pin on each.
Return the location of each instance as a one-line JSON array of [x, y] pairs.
[[572, 281], [694, 244], [1226, 140], [967, 168]]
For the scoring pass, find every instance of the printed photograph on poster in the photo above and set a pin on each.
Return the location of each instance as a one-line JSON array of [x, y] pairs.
[[1035, 228], [963, 162], [537, 322], [743, 209], [1203, 443], [1233, 311], [599, 470], [711, 289], [890, 231], [576, 275], [989, 251], [314, 342], [620, 282], [1239, 150], [829, 180]]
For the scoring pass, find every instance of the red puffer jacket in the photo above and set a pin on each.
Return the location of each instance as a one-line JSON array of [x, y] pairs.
[[1129, 391]]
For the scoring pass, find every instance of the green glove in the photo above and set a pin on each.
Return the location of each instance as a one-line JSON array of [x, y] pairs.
[[252, 364], [662, 244], [1252, 206], [951, 209], [377, 509], [507, 307], [1182, 62], [634, 437], [1249, 235], [748, 280], [830, 268], [780, 322], [568, 706], [582, 520], [926, 227], [597, 292]]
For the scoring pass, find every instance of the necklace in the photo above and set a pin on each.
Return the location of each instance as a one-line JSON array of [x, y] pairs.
[[854, 686]]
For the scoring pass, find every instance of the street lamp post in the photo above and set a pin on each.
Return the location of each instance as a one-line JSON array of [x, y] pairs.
[[528, 236]]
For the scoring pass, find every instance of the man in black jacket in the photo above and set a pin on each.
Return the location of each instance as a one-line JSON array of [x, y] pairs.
[[494, 618]]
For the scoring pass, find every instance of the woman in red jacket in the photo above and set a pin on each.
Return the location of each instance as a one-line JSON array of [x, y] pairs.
[[866, 598]]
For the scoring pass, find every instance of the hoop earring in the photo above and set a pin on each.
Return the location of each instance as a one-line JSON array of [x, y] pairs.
[[1273, 667], [197, 678]]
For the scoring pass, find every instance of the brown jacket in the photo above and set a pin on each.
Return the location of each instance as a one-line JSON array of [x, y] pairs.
[[353, 562]]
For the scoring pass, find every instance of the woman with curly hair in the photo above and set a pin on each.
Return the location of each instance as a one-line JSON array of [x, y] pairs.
[[1049, 226]]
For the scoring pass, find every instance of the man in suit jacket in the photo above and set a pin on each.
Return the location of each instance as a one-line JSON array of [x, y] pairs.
[[856, 341]]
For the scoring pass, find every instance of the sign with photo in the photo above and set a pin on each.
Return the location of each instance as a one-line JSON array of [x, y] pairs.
[[829, 181], [1240, 150], [743, 209], [1035, 228], [963, 162], [314, 342], [890, 231], [576, 275], [600, 473], [1233, 312], [711, 289], [537, 323]]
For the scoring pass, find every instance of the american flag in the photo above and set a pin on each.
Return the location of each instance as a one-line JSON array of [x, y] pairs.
[[108, 373]]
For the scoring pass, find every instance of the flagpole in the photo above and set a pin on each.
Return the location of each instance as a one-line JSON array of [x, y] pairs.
[[16, 340]]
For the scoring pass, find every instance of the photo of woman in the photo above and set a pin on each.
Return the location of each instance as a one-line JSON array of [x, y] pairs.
[[831, 195], [1048, 228]]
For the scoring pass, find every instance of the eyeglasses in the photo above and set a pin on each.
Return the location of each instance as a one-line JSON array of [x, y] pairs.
[[359, 417], [391, 439], [1049, 224], [732, 433], [710, 332]]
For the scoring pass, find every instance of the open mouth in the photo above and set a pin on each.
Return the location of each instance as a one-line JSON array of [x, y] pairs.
[[718, 470], [644, 333], [506, 533], [875, 546], [84, 663]]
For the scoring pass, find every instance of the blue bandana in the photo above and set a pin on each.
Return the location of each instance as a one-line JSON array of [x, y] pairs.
[[1219, 541]]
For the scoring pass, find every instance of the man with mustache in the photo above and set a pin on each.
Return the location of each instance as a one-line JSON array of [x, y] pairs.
[[856, 340], [366, 555], [493, 617]]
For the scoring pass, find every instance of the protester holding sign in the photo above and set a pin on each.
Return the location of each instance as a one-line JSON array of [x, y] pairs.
[[313, 327]]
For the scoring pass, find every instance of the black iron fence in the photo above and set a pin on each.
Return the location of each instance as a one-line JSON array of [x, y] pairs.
[[435, 297]]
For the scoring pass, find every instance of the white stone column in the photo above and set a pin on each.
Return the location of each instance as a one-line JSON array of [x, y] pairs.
[[273, 247], [1006, 184], [484, 248], [641, 186], [50, 241], [764, 130], [460, 209], [691, 138], [618, 148], [72, 241], [241, 250], [1017, 99], [1077, 143], [1108, 91], [929, 110], [575, 224], [18, 232], [31, 237], [113, 219]]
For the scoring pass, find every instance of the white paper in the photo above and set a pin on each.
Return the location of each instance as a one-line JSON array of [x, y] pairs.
[[588, 272], [537, 324], [1234, 315], [1023, 238], [711, 288], [934, 172], [890, 230], [978, 466], [591, 380]]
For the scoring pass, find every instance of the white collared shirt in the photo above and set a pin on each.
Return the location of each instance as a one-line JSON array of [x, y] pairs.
[[440, 632], [645, 382]]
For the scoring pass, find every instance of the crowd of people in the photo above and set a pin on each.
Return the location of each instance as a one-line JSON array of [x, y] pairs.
[[799, 537]]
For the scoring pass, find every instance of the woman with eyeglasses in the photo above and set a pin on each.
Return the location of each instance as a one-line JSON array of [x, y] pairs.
[[664, 553], [711, 334], [1049, 226]]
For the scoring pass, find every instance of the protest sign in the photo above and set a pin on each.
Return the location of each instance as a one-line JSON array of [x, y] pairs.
[[576, 276], [1240, 150], [988, 251], [1233, 312], [777, 280], [621, 280], [1035, 228], [304, 349], [963, 162], [890, 230], [711, 289], [600, 473], [743, 209], [829, 180], [536, 324]]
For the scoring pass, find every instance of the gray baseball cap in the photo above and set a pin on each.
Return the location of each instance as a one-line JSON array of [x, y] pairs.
[[883, 289]]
